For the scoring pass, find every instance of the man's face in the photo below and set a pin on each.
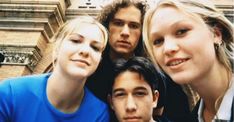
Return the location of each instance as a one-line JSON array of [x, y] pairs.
[[132, 98], [125, 30]]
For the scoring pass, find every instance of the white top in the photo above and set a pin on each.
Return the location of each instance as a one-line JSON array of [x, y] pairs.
[[224, 111]]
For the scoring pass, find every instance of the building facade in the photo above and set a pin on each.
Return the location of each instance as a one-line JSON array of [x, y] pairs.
[[28, 26]]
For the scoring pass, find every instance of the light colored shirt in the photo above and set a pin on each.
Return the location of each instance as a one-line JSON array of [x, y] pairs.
[[224, 111]]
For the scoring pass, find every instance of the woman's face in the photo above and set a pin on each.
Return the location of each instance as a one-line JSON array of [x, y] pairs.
[[182, 45], [80, 52]]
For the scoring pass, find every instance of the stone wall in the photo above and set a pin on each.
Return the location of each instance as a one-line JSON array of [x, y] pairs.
[[26, 29]]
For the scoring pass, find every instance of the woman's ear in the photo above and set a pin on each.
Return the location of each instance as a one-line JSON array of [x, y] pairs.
[[217, 31], [155, 98], [109, 98]]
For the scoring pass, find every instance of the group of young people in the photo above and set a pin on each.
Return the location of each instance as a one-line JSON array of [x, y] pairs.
[[133, 64]]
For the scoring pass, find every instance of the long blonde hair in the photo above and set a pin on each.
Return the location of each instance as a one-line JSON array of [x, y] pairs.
[[207, 12]]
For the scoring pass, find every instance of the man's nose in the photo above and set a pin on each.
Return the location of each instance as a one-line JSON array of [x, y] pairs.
[[131, 104], [125, 31]]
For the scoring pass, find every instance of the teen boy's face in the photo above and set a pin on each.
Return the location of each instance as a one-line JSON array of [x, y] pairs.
[[125, 30], [132, 98]]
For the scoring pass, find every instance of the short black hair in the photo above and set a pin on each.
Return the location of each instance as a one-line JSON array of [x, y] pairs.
[[144, 67]]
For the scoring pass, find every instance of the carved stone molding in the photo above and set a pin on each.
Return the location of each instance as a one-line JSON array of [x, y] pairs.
[[84, 7], [25, 56], [42, 16]]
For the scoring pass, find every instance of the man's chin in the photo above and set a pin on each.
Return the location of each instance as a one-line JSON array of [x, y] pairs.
[[123, 51], [120, 52]]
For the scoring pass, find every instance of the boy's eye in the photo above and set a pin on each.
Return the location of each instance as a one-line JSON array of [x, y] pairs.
[[120, 94], [140, 93], [118, 23], [134, 25]]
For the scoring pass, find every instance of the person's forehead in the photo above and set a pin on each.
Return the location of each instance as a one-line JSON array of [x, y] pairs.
[[130, 80], [90, 31], [130, 13]]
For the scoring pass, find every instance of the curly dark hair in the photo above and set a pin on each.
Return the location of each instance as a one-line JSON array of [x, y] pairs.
[[108, 12]]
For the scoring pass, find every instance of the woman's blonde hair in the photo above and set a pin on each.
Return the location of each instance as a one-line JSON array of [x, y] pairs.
[[207, 12], [71, 26]]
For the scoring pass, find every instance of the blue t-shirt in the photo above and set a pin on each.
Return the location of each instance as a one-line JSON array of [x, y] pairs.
[[24, 99]]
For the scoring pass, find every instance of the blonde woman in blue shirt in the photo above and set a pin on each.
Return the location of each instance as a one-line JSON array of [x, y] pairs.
[[60, 96]]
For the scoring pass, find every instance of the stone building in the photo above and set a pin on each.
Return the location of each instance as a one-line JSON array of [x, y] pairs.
[[28, 26]]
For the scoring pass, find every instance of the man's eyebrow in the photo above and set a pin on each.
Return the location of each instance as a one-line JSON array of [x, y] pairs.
[[140, 88], [118, 90], [117, 19]]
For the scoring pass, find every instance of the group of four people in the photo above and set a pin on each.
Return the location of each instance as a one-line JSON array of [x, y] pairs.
[[186, 42]]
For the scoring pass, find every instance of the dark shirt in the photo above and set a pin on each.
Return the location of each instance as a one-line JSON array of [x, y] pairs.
[[100, 81], [176, 106]]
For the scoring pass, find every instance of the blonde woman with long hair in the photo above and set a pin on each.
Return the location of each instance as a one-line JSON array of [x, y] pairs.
[[192, 42]]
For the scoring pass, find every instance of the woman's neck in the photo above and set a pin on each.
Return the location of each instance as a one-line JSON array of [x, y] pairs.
[[210, 88], [208, 115], [64, 93]]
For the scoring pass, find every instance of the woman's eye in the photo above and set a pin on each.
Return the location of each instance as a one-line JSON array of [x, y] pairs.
[[158, 41], [96, 48], [181, 32], [75, 40]]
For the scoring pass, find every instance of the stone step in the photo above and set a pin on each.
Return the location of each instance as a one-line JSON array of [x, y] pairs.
[[33, 24], [72, 13]]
